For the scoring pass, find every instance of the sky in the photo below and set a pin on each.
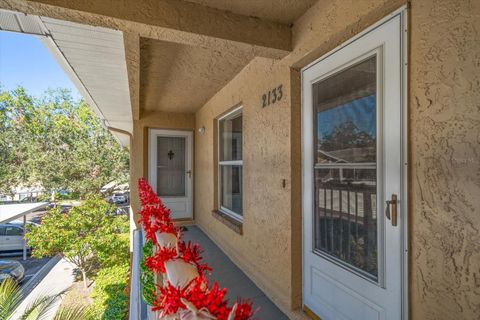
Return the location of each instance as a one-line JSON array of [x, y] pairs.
[[25, 61]]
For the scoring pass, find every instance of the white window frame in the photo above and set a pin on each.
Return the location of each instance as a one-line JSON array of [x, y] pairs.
[[228, 212]]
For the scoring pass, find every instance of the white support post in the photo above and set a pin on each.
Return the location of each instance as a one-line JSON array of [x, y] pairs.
[[24, 240]]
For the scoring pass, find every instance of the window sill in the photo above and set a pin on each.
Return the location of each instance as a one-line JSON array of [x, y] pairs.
[[231, 223]]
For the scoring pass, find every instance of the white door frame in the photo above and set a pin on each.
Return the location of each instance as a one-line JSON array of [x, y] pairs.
[[403, 212], [152, 157]]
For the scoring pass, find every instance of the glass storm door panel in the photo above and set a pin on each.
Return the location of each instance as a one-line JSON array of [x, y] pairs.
[[170, 169], [353, 170], [345, 138], [171, 166]]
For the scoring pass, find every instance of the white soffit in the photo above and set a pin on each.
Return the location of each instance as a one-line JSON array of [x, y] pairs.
[[10, 212], [19, 22], [93, 58]]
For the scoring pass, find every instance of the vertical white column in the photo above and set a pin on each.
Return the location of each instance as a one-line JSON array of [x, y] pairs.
[[24, 240]]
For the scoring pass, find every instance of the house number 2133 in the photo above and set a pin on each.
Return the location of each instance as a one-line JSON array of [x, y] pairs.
[[272, 96]]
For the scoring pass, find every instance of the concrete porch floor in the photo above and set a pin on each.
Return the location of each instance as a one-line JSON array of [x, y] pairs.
[[229, 276]]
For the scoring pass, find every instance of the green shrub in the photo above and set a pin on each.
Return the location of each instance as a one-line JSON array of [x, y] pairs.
[[87, 236], [147, 277], [110, 301]]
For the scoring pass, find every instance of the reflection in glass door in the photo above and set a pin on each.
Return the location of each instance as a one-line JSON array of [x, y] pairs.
[[345, 176]]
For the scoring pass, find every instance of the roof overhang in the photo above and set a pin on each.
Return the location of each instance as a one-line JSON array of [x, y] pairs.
[[11, 212], [94, 60]]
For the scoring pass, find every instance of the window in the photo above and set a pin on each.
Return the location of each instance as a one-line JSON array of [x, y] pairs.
[[230, 164], [13, 231]]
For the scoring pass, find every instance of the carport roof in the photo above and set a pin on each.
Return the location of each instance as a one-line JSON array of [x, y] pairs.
[[10, 212]]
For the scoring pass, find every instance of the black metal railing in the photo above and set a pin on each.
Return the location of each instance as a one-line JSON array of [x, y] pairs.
[[346, 222]]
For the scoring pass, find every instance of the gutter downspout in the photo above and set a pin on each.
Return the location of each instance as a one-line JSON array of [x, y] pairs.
[[120, 131]]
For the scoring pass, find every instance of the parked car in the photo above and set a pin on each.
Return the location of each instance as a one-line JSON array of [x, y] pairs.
[[121, 211], [11, 269], [38, 218], [11, 237], [65, 208], [51, 205], [119, 198]]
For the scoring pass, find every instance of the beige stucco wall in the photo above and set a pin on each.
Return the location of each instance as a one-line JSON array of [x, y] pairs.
[[445, 159], [444, 148], [444, 140], [264, 248], [444, 133], [269, 250]]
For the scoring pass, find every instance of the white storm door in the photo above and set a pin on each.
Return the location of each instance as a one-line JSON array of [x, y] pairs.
[[352, 128], [171, 170]]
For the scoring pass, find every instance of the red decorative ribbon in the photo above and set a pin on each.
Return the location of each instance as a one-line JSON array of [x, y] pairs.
[[156, 217]]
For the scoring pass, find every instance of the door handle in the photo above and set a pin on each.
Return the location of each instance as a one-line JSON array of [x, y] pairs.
[[189, 172], [391, 210]]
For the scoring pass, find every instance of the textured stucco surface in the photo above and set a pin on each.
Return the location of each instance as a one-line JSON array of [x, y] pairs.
[[284, 11], [181, 78], [270, 249], [444, 137], [445, 159], [187, 17], [331, 22], [444, 133], [264, 250], [169, 20]]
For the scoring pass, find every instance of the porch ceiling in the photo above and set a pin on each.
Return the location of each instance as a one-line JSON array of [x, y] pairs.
[[282, 11], [181, 78]]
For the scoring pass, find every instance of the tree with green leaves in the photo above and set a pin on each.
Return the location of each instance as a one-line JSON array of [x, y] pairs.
[[346, 135], [57, 143], [15, 110], [87, 236]]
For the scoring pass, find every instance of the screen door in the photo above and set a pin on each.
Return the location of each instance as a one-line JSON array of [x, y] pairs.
[[170, 169], [352, 179]]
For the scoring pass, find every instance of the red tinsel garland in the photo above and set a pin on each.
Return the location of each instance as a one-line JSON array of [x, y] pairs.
[[168, 227], [147, 196], [156, 217], [192, 253], [187, 252], [156, 263], [244, 310], [169, 300], [148, 227]]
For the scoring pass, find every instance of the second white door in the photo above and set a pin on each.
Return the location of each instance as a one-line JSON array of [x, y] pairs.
[[353, 177], [170, 170]]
